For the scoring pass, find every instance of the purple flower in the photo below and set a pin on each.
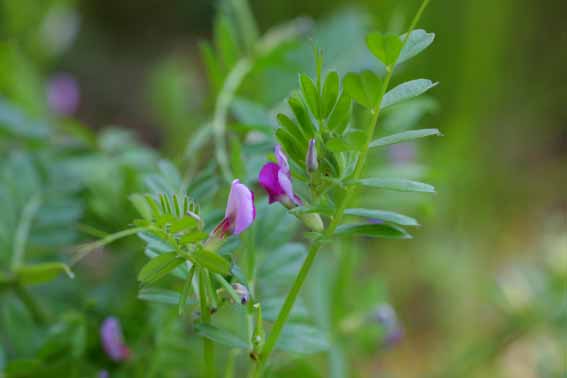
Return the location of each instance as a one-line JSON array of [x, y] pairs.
[[63, 94], [240, 211], [103, 374], [402, 153], [276, 180], [113, 341], [386, 317]]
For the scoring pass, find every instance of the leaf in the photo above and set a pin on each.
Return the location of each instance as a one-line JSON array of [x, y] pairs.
[[353, 141], [404, 137], [159, 267], [186, 290], [211, 261], [302, 339], [186, 224], [193, 237], [387, 216], [152, 294], [294, 149], [340, 117], [406, 90], [311, 94], [374, 230], [301, 115], [385, 47], [364, 88], [291, 127], [221, 336], [401, 185], [330, 93], [418, 41], [41, 273]]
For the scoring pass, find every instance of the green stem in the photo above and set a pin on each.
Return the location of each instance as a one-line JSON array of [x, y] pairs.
[[229, 289], [227, 93], [33, 307], [88, 248], [23, 230], [308, 263], [208, 346]]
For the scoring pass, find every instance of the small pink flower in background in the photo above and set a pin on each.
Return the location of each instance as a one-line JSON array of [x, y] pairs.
[[402, 153], [240, 211], [276, 180], [63, 94], [113, 340]]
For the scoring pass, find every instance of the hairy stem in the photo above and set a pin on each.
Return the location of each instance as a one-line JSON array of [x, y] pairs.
[[336, 220]]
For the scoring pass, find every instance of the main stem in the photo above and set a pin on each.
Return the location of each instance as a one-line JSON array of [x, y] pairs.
[[312, 253], [208, 346]]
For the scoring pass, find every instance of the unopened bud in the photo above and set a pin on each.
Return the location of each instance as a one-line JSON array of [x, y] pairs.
[[311, 159], [242, 292], [313, 221]]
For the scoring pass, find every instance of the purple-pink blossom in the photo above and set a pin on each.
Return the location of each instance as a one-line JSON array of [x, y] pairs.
[[113, 340], [275, 178], [63, 94], [240, 211]]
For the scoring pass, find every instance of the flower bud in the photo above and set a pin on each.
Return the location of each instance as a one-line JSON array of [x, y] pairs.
[[242, 292], [311, 161], [313, 221]]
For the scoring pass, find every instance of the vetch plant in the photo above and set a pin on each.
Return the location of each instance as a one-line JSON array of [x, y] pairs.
[[319, 166]]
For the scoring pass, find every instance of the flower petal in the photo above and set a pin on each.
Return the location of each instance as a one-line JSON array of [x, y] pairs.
[[287, 187], [240, 208], [112, 340], [282, 159], [268, 178]]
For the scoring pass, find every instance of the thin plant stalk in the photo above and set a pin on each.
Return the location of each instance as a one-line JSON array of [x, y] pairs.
[[208, 345]]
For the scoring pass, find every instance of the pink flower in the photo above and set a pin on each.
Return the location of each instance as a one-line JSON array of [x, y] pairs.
[[113, 341], [240, 211], [276, 180], [63, 94]]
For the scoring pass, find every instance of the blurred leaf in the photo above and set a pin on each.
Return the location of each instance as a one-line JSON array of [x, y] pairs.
[[387, 216], [250, 112], [41, 273], [152, 294], [364, 88], [211, 261], [22, 367], [330, 93], [386, 231], [302, 339], [159, 267], [341, 114], [385, 47], [225, 42], [401, 185], [418, 41], [311, 95], [221, 336], [404, 137], [406, 91]]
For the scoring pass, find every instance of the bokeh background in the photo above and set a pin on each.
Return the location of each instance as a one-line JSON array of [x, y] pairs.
[[481, 289]]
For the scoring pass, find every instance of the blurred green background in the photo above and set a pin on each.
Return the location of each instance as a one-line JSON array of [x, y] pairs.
[[480, 290]]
